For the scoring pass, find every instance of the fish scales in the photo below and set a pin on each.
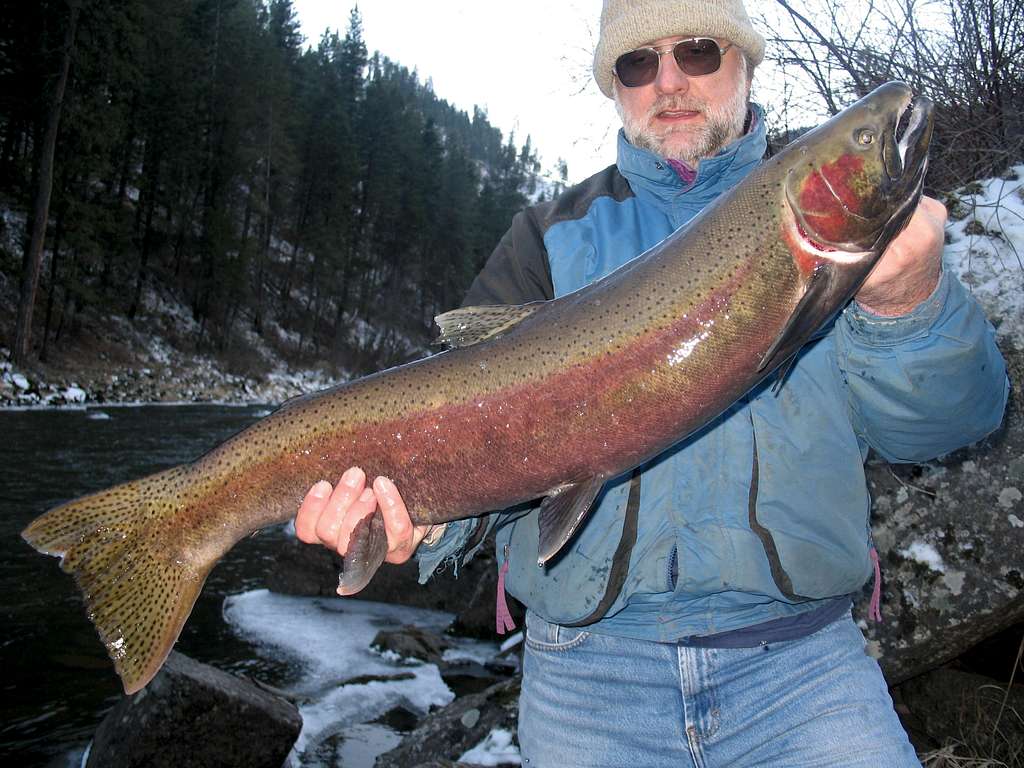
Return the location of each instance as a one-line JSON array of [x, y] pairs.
[[580, 389]]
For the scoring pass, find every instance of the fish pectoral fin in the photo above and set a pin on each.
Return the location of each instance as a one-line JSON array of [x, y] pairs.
[[814, 309], [367, 548], [561, 513], [471, 325]]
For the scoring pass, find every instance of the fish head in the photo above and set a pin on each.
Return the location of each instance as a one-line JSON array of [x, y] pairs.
[[852, 183]]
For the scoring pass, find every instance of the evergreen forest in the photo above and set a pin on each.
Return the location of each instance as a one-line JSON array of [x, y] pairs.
[[305, 191]]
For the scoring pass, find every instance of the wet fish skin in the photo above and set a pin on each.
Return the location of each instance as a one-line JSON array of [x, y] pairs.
[[547, 400]]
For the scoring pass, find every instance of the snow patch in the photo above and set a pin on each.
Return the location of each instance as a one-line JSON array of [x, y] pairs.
[[925, 553], [74, 394], [1015, 521], [496, 749], [987, 248]]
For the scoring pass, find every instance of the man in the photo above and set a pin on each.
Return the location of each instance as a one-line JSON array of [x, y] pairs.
[[723, 637]]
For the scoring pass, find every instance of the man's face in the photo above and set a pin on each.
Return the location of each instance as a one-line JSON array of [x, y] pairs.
[[682, 117]]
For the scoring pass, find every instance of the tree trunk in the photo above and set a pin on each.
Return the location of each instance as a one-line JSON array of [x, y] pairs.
[[32, 262], [58, 234]]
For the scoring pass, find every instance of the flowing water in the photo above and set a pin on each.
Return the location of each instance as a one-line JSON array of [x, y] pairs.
[[56, 681]]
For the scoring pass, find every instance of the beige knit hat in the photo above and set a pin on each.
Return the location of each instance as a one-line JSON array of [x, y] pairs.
[[628, 24]]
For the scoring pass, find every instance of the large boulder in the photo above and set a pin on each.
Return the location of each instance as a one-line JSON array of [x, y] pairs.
[[192, 714], [950, 535]]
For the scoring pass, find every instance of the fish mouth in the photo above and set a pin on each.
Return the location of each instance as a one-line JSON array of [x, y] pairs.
[[907, 166], [910, 151]]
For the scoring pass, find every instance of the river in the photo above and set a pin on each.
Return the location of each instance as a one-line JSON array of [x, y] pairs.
[[57, 681]]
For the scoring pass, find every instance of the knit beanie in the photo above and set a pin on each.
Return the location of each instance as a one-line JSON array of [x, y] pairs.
[[628, 24]]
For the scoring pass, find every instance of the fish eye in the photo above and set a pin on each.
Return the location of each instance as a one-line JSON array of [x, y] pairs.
[[865, 137]]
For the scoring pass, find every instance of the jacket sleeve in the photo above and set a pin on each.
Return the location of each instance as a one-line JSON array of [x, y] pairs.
[[924, 383], [517, 272]]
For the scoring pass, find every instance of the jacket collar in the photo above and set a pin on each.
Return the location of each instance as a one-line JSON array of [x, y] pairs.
[[651, 176]]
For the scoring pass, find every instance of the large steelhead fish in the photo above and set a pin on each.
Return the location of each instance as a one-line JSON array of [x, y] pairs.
[[545, 400]]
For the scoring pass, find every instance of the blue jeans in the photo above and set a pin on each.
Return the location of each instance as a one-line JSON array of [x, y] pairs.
[[597, 700]]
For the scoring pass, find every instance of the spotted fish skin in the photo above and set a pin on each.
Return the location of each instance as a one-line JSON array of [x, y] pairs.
[[562, 394]]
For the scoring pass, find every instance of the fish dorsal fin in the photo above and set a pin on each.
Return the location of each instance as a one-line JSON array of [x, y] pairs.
[[815, 307], [562, 512], [471, 325]]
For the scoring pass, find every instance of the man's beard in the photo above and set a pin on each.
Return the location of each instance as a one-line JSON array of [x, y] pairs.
[[721, 126]]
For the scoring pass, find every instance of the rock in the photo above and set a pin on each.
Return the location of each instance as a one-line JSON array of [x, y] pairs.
[[464, 676], [443, 736], [411, 643], [948, 705], [951, 547], [193, 714]]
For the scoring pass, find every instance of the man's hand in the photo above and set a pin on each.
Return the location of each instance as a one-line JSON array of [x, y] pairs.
[[909, 269], [328, 515]]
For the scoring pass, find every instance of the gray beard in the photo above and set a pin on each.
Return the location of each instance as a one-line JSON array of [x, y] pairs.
[[722, 126]]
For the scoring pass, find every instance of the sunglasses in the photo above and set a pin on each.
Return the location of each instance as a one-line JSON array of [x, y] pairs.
[[695, 56]]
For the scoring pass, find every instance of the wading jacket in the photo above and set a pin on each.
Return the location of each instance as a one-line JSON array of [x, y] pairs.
[[763, 514]]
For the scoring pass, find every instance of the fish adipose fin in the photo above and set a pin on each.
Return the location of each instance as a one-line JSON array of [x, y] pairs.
[[815, 308], [561, 514], [471, 325], [367, 548], [139, 574]]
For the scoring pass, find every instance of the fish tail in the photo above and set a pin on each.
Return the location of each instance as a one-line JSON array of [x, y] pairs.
[[139, 573]]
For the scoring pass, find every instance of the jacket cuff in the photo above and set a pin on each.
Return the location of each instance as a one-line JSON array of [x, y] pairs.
[[879, 330], [432, 556]]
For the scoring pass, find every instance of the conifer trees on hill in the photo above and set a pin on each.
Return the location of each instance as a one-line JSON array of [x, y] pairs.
[[308, 193]]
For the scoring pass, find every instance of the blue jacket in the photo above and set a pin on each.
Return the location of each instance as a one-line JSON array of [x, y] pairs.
[[763, 514]]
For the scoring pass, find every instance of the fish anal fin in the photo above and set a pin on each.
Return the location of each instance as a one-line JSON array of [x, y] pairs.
[[470, 325], [561, 513], [813, 310], [367, 548]]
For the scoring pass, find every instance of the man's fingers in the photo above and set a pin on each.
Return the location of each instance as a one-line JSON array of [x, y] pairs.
[[396, 516], [328, 516], [329, 524], [309, 512], [402, 539]]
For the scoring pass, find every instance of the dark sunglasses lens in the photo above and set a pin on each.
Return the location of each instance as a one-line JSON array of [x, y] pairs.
[[698, 57], [637, 68]]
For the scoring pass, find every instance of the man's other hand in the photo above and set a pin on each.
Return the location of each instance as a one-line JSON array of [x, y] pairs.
[[327, 515]]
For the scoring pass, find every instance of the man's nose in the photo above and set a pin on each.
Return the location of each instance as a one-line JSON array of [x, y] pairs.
[[671, 79]]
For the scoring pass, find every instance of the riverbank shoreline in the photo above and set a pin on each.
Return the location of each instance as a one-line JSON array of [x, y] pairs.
[[198, 380]]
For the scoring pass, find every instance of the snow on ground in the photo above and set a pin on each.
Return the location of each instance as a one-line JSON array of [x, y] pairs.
[[496, 749], [986, 227], [329, 639]]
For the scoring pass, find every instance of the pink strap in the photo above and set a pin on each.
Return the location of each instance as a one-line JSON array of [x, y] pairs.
[[503, 619], [875, 606]]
